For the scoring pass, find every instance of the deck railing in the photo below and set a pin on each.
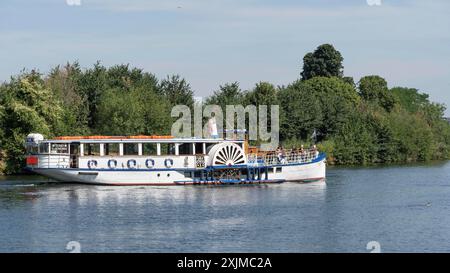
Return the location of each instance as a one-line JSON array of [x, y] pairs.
[[53, 161], [286, 157]]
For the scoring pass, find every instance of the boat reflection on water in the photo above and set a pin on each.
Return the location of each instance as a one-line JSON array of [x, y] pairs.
[[228, 195]]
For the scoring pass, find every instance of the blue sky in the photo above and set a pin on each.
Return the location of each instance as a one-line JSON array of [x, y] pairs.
[[211, 42]]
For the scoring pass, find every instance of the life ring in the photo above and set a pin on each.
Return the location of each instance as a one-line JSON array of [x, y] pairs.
[[92, 164], [112, 161], [131, 163], [168, 162], [149, 163]]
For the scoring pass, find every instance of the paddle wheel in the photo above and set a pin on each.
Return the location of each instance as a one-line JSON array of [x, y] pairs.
[[227, 154]]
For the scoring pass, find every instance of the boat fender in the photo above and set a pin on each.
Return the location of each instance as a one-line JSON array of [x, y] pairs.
[[92, 164], [131, 163], [112, 163], [149, 163], [168, 162]]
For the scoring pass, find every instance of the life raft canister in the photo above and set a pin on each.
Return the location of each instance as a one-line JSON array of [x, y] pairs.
[[112, 163], [131, 163], [149, 163], [168, 162], [92, 164]]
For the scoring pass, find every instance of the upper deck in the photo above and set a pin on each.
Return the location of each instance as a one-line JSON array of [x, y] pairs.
[[136, 139]]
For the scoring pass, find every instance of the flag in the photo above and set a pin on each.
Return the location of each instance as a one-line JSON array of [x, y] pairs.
[[314, 135]]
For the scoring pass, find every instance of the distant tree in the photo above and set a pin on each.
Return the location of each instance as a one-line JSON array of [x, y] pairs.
[[94, 81], [63, 82], [125, 78], [350, 81], [412, 135], [320, 103], [91, 85], [325, 61], [228, 94], [410, 98], [356, 141], [177, 90], [264, 93], [375, 89], [300, 114], [139, 111]]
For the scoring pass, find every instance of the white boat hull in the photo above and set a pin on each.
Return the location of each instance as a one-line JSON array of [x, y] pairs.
[[290, 172]]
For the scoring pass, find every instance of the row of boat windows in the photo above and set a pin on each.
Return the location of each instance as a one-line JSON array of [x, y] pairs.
[[93, 149]]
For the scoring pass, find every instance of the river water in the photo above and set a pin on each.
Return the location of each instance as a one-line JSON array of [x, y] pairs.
[[401, 208]]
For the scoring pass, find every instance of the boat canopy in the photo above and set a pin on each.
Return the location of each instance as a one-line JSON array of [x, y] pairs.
[[136, 139]]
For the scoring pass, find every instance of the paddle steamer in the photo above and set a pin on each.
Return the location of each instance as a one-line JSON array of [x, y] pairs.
[[165, 160]]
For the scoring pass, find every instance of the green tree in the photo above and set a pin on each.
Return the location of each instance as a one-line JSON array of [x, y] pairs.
[[91, 84], [228, 94], [27, 106], [350, 81], [375, 89], [139, 111], [300, 112], [94, 81], [325, 61], [177, 91], [410, 98], [355, 142], [63, 82], [264, 93], [319, 103]]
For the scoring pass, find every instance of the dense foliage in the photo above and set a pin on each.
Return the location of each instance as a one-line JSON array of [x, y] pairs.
[[325, 61], [355, 123]]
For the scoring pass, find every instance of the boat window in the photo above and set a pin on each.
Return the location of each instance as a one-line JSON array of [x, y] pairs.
[[130, 149], [185, 149], [74, 148], [149, 149], [92, 149], [111, 148], [59, 148], [43, 148], [167, 148], [199, 148], [278, 170], [188, 174], [32, 149]]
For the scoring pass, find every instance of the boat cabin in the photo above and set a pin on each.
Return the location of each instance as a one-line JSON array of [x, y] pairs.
[[119, 151]]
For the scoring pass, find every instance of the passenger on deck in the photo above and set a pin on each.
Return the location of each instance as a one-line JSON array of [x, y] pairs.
[[282, 156], [279, 154], [314, 151]]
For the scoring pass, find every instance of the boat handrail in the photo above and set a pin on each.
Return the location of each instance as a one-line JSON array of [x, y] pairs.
[[287, 157]]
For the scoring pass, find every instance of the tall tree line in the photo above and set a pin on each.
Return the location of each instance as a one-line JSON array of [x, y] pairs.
[[355, 123]]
